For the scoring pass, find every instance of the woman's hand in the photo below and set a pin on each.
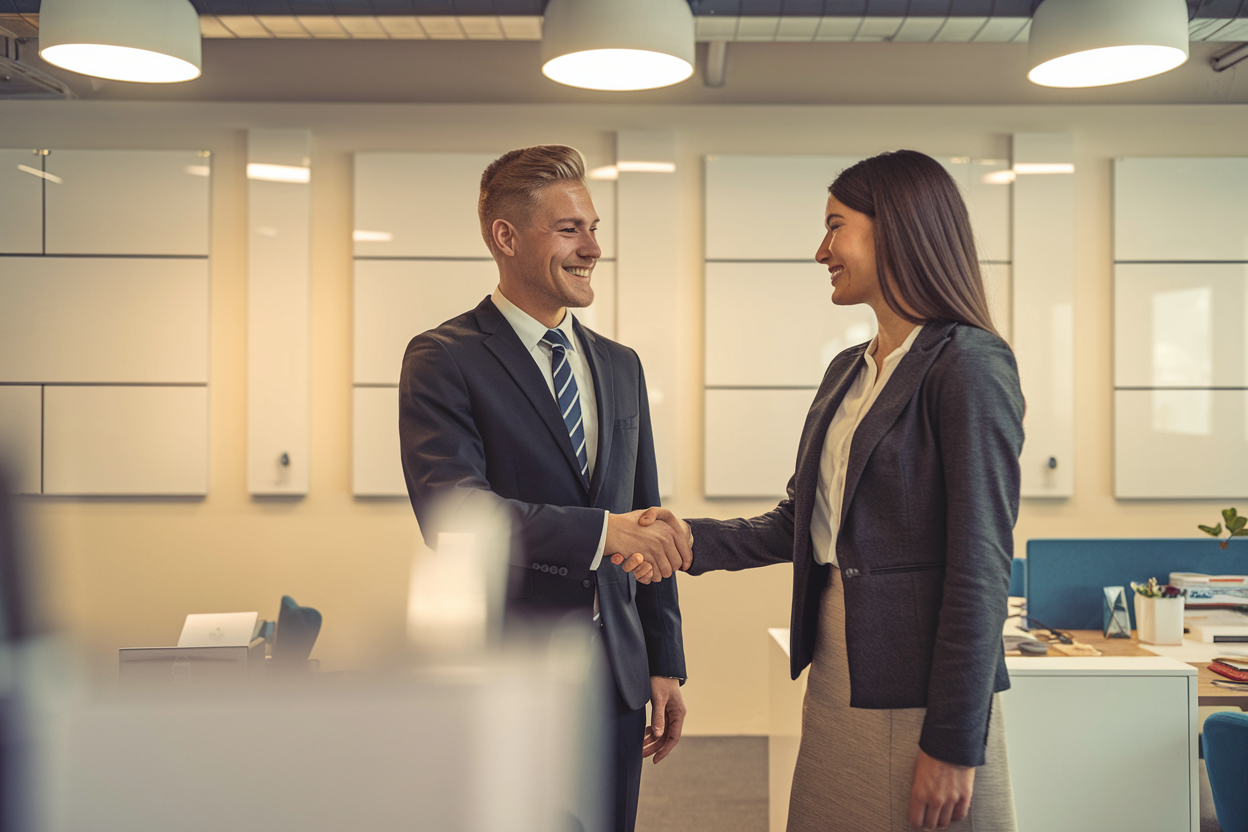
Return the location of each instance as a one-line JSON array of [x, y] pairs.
[[941, 792]]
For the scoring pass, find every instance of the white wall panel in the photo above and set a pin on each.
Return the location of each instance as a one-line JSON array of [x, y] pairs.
[[84, 319], [128, 202], [767, 207], [1181, 444], [21, 203], [651, 243], [999, 286], [751, 440], [774, 324], [126, 440], [989, 200], [279, 294], [1180, 325], [398, 299], [425, 202], [1181, 209], [21, 435], [1043, 320], [376, 465]]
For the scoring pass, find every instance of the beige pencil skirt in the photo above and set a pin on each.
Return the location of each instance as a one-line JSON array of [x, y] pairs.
[[855, 767]]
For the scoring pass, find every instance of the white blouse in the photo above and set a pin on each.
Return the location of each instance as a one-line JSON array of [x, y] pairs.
[[834, 459]]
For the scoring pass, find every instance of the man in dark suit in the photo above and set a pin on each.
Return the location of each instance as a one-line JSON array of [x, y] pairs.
[[515, 405]]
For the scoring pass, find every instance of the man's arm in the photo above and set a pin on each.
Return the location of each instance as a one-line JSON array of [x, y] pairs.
[[445, 468]]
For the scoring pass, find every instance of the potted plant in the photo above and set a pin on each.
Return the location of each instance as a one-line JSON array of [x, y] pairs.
[[1158, 612], [1235, 526]]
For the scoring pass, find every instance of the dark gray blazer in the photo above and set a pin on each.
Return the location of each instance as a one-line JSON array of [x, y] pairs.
[[926, 535], [479, 427]]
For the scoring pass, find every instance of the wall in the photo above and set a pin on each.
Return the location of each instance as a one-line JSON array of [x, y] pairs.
[[124, 572]]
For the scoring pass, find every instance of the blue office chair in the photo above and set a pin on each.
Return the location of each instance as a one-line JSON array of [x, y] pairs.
[[1225, 740]]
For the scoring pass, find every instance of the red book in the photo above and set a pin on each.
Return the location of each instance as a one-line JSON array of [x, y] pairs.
[[1229, 672]]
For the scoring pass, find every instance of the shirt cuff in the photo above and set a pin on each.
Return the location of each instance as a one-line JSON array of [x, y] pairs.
[[602, 542]]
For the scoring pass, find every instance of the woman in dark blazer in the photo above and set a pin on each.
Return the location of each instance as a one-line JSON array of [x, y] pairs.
[[899, 522]]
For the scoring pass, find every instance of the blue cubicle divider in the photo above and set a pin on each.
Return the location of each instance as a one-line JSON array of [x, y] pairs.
[[1064, 578]]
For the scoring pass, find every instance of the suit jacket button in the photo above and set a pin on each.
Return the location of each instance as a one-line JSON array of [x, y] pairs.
[[537, 566], [585, 583], [545, 568], [851, 573], [563, 571]]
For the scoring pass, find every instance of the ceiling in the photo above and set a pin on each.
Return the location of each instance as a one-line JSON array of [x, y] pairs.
[[781, 51]]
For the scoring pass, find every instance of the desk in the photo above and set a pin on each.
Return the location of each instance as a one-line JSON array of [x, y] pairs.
[[1209, 694]]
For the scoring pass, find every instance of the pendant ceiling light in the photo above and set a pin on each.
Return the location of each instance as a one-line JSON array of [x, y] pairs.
[[616, 45], [1092, 43], [153, 41]]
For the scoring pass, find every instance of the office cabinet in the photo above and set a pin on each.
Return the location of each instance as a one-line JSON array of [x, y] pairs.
[[21, 429], [21, 202], [1180, 325], [1102, 743], [376, 463], [1181, 209], [1180, 444], [774, 324], [751, 440], [152, 202], [121, 440], [107, 319]]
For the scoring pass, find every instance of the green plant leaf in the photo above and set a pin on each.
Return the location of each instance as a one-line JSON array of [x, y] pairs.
[[1238, 524], [1228, 516], [1240, 533], [1212, 531]]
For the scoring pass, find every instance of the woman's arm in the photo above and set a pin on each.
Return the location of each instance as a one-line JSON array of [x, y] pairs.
[[744, 543], [979, 415]]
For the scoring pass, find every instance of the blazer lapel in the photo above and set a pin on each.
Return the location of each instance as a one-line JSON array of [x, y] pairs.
[[599, 360], [893, 398], [502, 340], [836, 383]]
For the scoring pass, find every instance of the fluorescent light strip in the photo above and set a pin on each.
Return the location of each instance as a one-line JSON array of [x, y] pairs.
[[1024, 168], [646, 167], [372, 236], [279, 173], [41, 174]]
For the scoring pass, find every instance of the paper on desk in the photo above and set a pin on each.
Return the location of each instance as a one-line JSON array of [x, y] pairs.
[[218, 629]]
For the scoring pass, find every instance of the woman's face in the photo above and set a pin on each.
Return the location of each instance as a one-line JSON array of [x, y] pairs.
[[848, 250]]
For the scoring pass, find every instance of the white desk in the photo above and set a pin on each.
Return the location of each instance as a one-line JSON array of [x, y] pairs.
[[1086, 737]]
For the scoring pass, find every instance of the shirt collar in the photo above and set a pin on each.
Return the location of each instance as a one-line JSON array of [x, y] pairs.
[[530, 329], [897, 354]]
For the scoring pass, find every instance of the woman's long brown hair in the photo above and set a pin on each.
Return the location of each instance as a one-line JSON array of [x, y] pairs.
[[924, 247]]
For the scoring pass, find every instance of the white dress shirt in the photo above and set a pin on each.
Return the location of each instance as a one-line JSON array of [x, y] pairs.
[[825, 521], [531, 332]]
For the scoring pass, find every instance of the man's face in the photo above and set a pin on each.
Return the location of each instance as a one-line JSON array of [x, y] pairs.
[[557, 248]]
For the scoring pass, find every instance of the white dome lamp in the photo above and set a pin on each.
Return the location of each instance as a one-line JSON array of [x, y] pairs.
[[612, 45], [1092, 43], [151, 41]]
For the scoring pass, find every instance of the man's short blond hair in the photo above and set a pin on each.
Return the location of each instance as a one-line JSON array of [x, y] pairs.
[[512, 183]]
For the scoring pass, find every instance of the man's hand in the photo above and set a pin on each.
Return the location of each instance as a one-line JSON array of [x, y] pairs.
[[667, 717], [680, 527], [941, 792], [659, 546]]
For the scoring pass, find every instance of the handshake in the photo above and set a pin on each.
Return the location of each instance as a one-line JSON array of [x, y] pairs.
[[652, 544]]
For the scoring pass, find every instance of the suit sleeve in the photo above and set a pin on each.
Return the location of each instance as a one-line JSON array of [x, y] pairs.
[[658, 604], [445, 467], [979, 413], [744, 543]]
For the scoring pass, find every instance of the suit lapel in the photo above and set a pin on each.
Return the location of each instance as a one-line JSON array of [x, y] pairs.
[[502, 340], [892, 400], [599, 360]]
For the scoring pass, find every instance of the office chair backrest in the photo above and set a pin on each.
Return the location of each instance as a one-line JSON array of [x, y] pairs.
[[1225, 740]]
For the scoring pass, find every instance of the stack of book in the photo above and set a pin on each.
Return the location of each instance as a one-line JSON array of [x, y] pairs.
[[1234, 668]]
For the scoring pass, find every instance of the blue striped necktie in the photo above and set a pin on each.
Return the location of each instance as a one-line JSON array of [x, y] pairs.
[[568, 395]]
